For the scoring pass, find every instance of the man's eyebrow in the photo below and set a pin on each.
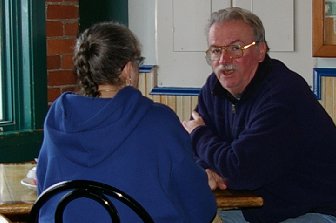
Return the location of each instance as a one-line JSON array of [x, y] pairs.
[[234, 42]]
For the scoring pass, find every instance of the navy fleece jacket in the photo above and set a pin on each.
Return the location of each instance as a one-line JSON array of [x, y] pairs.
[[276, 141]]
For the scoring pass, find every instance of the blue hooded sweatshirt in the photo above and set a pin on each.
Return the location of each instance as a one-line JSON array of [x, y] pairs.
[[131, 143]]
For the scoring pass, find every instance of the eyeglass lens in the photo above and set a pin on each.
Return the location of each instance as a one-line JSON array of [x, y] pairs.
[[233, 51]]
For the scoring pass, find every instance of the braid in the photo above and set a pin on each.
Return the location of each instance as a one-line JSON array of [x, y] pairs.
[[82, 66]]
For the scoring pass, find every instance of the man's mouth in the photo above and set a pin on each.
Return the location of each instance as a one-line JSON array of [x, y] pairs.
[[226, 69]]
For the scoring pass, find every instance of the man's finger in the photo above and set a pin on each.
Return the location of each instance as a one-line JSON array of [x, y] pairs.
[[211, 180], [195, 115]]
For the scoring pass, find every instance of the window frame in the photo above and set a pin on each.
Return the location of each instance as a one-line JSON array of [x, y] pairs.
[[24, 78]]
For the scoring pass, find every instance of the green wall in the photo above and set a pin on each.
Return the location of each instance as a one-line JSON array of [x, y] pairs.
[[91, 12]]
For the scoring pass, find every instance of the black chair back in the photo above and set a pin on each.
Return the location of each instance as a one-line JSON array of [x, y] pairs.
[[89, 189]]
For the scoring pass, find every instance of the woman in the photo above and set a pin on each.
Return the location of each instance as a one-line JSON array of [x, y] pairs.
[[110, 133]]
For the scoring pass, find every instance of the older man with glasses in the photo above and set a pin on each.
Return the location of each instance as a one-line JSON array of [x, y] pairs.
[[259, 127]]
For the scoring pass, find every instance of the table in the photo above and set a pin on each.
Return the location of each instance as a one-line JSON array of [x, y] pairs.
[[16, 199]]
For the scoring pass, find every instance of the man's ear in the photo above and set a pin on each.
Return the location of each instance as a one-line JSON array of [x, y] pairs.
[[262, 47]]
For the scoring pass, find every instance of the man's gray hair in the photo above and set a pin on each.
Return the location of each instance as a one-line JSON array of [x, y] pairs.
[[240, 14]]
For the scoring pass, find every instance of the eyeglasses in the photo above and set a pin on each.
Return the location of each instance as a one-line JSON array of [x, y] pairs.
[[233, 51], [139, 61]]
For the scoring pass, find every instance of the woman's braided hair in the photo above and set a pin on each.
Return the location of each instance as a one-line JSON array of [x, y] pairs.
[[100, 55]]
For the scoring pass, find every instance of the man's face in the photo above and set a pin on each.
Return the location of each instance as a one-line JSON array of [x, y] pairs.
[[235, 74]]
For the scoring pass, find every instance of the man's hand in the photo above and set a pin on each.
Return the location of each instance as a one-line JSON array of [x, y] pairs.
[[194, 123], [215, 181]]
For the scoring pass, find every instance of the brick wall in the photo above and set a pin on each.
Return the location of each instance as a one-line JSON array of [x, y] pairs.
[[62, 21]]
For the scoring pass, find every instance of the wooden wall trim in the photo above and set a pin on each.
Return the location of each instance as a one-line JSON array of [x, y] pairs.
[[318, 73]]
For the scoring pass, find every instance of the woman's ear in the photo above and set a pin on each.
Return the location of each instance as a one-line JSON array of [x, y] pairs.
[[131, 75], [127, 73]]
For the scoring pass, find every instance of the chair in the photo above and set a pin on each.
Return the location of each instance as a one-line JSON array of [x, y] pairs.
[[89, 189]]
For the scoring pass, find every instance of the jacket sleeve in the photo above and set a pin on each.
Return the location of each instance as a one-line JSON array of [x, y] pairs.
[[263, 150]]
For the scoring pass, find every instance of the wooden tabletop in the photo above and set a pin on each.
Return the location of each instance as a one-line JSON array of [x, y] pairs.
[[229, 199], [17, 199]]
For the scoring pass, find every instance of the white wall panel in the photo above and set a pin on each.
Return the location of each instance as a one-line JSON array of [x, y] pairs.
[[220, 4], [278, 19], [142, 19], [189, 20], [181, 65]]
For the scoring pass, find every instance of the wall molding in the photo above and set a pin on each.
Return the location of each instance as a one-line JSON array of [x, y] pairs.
[[171, 91], [146, 68], [318, 73], [176, 91]]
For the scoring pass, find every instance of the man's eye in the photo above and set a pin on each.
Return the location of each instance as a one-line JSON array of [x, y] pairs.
[[234, 47], [216, 51]]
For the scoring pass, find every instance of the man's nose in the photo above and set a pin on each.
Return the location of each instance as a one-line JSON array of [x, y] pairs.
[[224, 57]]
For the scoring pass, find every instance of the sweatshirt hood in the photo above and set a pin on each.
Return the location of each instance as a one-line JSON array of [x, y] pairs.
[[87, 130]]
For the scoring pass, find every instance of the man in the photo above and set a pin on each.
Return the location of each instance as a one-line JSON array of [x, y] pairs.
[[258, 127]]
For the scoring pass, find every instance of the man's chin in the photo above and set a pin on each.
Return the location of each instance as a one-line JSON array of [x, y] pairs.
[[227, 83], [226, 77]]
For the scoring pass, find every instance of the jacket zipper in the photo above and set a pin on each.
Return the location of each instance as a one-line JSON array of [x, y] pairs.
[[233, 109]]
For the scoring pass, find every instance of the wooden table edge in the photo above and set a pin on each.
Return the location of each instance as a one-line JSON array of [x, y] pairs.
[[15, 209]]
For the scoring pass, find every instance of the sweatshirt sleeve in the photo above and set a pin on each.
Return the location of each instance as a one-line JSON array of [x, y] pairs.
[[41, 169], [188, 182], [194, 195]]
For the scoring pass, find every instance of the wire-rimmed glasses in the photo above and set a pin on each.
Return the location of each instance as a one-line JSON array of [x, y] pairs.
[[139, 61], [233, 51]]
